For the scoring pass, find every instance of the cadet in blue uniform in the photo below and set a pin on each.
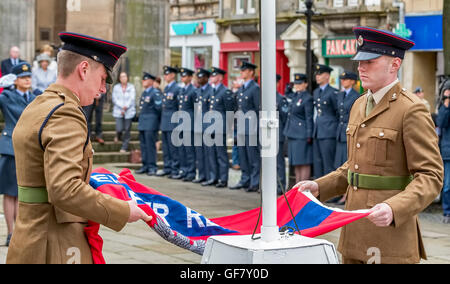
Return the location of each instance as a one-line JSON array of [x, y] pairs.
[[248, 102], [12, 103], [148, 126], [299, 129], [221, 101], [283, 110], [186, 101], [345, 100], [325, 123], [169, 107], [204, 92]]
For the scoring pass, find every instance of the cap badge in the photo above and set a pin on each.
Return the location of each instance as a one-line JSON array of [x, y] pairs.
[[95, 57], [24, 68], [360, 41]]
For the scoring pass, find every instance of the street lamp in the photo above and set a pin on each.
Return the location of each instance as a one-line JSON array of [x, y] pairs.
[[309, 13]]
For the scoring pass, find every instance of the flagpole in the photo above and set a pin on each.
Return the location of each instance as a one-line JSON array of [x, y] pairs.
[[268, 121]]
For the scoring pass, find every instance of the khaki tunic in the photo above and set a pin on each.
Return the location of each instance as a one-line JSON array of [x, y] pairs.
[[54, 232], [397, 139]]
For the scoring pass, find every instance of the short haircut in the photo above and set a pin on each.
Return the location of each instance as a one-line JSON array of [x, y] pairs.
[[68, 61]]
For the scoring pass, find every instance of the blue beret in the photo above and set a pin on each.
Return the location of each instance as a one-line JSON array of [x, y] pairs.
[[22, 70], [374, 43], [247, 65], [215, 71], [348, 75], [100, 50], [203, 72], [147, 76], [300, 78], [170, 69], [186, 72]]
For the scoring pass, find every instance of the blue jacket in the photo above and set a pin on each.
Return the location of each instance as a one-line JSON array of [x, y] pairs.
[[300, 119], [345, 104], [12, 105], [221, 101], [326, 107], [203, 95], [169, 106], [248, 99], [443, 122], [283, 111], [150, 105], [186, 102]]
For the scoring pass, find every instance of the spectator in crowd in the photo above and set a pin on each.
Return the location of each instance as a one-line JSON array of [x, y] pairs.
[[97, 108], [157, 84], [12, 103], [43, 76], [443, 122], [421, 94], [46, 49], [13, 60], [124, 110]]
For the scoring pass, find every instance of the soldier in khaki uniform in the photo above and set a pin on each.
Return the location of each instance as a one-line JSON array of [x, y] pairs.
[[394, 167], [54, 161]]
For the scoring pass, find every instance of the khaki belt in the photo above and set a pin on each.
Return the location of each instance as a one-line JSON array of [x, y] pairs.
[[378, 182], [33, 194]]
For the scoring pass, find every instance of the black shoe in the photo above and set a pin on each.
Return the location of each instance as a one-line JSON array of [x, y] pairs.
[[175, 176], [188, 178], [238, 186], [198, 180], [151, 173], [221, 184], [252, 189], [8, 239], [141, 171], [209, 182], [162, 174]]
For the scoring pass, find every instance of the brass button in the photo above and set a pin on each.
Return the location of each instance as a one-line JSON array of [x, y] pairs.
[[355, 188], [363, 125], [358, 145], [356, 167], [381, 134]]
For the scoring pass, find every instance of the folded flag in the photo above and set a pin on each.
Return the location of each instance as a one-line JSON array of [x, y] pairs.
[[190, 230]]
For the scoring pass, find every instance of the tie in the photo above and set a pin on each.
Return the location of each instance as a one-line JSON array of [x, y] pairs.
[[370, 105], [25, 97]]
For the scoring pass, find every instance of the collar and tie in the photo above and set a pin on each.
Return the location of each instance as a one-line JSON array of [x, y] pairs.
[[370, 104]]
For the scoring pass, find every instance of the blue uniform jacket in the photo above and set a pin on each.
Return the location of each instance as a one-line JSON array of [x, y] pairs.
[[283, 111], [443, 122], [12, 105], [300, 123], [345, 104], [169, 106], [248, 99], [151, 105], [202, 97], [186, 101], [326, 106], [221, 100]]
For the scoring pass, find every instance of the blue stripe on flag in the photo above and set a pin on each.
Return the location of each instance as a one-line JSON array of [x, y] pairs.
[[311, 215]]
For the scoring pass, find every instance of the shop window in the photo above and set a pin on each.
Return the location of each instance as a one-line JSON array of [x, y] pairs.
[[353, 3], [373, 3], [175, 56], [200, 57], [338, 3]]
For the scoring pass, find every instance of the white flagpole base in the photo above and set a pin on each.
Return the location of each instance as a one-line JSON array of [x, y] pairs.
[[285, 250]]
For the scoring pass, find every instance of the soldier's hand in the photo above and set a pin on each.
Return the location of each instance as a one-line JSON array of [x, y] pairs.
[[312, 186], [381, 215], [137, 213]]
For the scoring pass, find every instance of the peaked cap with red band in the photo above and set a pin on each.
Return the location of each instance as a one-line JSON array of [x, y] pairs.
[[100, 50], [374, 43]]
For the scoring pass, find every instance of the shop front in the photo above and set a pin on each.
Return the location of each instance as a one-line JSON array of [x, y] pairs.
[[194, 44], [233, 54]]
